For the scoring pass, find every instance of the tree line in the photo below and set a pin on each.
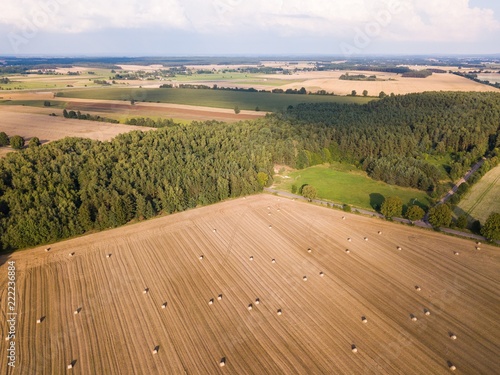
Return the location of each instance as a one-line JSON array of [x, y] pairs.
[[390, 138], [72, 186]]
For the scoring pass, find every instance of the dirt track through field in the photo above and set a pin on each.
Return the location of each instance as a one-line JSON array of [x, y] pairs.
[[321, 317]]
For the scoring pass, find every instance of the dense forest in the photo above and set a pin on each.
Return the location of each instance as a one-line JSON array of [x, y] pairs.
[[389, 137], [74, 185]]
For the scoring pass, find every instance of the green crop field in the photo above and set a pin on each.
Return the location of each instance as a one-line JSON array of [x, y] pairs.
[[210, 98], [483, 198], [343, 184]]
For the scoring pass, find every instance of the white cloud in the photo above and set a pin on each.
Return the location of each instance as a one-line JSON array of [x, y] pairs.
[[417, 20], [90, 15]]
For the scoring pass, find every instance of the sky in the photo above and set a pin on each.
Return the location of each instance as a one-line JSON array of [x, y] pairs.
[[249, 27]]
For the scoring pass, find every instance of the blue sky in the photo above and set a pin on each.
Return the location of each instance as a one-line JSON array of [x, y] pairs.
[[239, 27]]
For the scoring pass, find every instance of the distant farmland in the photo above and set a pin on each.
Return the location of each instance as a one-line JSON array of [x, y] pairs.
[[211, 98], [202, 287]]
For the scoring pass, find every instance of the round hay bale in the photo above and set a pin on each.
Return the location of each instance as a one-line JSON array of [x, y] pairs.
[[453, 336], [349, 239], [343, 217], [219, 297], [354, 348], [201, 257], [413, 318], [70, 366], [270, 226], [268, 214], [347, 251], [222, 362], [309, 250], [453, 368], [251, 257], [273, 261], [145, 291], [278, 210], [215, 230], [77, 311], [478, 248], [379, 232], [39, 320], [456, 253], [71, 254], [250, 307], [257, 301], [366, 238], [155, 351], [427, 312], [478, 243], [7, 338], [47, 249], [399, 248], [417, 288], [279, 312], [211, 301], [364, 320], [321, 274], [304, 278], [164, 305], [108, 255]]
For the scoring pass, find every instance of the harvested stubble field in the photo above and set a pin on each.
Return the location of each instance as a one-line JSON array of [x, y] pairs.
[[118, 326], [483, 198], [29, 122]]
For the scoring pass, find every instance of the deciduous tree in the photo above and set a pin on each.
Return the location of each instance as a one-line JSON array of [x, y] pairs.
[[17, 142], [491, 228], [415, 213], [392, 207], [309, 192], [440, 216]]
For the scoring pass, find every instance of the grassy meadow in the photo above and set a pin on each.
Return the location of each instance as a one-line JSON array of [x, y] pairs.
[[346, 184]]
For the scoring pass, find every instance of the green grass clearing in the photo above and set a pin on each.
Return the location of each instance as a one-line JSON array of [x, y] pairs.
[[346, 184], [210, 98], [483, 197]]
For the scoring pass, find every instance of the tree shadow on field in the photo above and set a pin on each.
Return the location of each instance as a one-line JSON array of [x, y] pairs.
[[4, 257], [376, 200], [473, 224]]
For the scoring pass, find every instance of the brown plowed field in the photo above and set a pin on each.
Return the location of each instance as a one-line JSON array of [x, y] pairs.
[[30, 122], [119, 326]]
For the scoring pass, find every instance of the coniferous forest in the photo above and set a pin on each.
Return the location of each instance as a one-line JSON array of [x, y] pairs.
[[72, 186]]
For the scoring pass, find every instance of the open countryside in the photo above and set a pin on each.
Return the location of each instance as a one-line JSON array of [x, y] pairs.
[[257, 285], [211, 98]]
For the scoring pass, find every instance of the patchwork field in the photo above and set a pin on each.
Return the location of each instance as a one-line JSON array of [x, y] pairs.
[[483, 198], [309, 308], [344, 184], [210, 98], [121, 111], [26, 122]]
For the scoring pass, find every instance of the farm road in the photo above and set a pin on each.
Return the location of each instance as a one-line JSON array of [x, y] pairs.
[[454, 189], [419, 223]]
